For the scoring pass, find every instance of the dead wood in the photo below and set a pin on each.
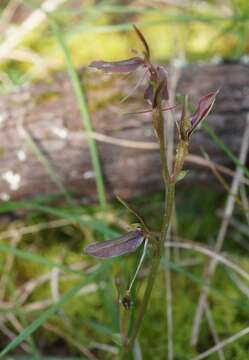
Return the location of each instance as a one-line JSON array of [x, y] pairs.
[[48, 111]]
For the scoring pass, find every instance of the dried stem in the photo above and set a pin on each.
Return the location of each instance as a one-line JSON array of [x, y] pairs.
[[222, 344], [213, 330], [221, 235], [169, 136]]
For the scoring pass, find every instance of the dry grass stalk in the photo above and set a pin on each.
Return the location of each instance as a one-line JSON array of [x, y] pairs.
[[210, 270], [222, 344]]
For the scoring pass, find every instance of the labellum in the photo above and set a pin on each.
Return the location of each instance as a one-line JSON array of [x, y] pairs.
[[151, 95], [125, 244]]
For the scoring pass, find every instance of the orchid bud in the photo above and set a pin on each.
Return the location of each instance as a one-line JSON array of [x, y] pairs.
[[203, 109], [126, 301]]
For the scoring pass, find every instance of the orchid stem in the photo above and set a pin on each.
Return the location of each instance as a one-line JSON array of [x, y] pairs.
[[155, 265], [158, 250]]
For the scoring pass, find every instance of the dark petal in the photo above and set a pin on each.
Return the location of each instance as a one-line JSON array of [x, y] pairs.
[[163, 77], [122, 66], [158, 97], [203, 109], [148, 94], [123, 245], [145, 44]]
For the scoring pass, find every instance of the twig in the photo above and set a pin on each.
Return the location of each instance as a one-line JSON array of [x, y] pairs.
[[9, 263], [149, 145], [11, 335], [217, 257], [243, 243], [104, 347], [35, 19], [212, 327], [25, 230], [224, 183], [29, 56], [54, 284], [221, 235], [241, 228], [240, 285], [7, 14], [169, 118], [222, 344], [70, 339]]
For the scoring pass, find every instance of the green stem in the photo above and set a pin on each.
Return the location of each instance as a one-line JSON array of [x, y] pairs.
[[155, 264], [158, 122]]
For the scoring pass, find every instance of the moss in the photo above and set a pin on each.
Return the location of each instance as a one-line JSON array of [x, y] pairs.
[[46, 97]]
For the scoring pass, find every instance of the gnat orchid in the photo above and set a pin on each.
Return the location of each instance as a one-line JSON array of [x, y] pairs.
[[156, 94]]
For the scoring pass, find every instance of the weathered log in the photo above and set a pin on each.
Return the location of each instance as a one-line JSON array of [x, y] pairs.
[[49, 113]]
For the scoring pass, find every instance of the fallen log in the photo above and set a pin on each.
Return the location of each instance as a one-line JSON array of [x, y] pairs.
[[48, 113]]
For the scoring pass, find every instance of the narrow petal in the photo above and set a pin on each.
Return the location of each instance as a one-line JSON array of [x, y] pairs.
[[163, 77], [122, 66], [148, 94], [125, 244], [144, 42]]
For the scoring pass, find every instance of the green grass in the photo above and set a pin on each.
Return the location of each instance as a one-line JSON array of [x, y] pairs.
[[50, 312], [82, 102], [225, 148], [95, 314], [84, 110]]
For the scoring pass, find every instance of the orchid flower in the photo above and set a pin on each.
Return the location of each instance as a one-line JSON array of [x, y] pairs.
[[156, 74]]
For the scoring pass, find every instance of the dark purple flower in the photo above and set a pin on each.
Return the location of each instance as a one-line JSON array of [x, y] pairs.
[[125, 244], [157, 88], [163, 77]]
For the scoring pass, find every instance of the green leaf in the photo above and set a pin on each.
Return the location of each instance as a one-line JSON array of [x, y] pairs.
[[181, 175]]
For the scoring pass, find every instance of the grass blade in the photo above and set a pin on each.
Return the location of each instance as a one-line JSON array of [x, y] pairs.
[[225, 148], [7, 249], [76, 217], [84, 110]]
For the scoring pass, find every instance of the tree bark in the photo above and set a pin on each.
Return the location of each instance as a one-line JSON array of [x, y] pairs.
[[48, 112]]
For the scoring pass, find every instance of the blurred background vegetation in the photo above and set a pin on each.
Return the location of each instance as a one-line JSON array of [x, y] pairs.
[[198, 30], [55, 302]]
